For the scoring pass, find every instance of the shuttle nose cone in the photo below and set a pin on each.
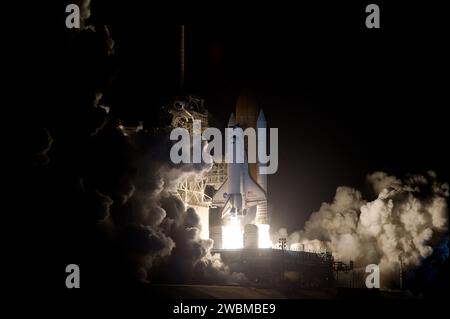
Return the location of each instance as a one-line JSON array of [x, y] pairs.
[[261, 122]]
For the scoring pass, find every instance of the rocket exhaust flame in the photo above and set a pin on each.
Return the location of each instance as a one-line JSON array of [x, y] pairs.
[[232, 235], [264, 236]]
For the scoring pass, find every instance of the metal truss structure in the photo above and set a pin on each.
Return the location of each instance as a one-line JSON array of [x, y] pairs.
[[184, 110]]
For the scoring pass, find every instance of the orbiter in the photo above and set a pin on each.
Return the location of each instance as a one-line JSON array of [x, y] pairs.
[[240, 191]]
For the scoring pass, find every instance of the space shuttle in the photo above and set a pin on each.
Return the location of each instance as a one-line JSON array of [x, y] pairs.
[[244, 187], [239, 191]]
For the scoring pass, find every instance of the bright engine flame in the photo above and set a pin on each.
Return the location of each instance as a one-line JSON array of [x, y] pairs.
[[232, 237], [264, 236]]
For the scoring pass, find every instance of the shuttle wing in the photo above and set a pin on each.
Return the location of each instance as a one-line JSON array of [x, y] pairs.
[[221, 196]]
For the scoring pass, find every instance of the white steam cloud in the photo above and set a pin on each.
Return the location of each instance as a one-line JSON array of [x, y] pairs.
[[405, 221]]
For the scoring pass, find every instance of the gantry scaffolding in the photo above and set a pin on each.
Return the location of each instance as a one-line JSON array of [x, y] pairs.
[[183, 111]]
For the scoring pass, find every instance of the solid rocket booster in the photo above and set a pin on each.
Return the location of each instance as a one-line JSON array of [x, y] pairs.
[[261, 209]]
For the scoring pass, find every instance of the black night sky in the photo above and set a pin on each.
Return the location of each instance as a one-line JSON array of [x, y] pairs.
[[347, 101]]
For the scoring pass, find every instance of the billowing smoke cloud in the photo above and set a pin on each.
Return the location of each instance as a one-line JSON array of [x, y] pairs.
[[85, 11], [406, 220], [134, 199], [119, 189]]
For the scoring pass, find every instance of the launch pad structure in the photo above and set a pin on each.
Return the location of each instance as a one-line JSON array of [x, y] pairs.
[[269, 267], [183, 110]]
